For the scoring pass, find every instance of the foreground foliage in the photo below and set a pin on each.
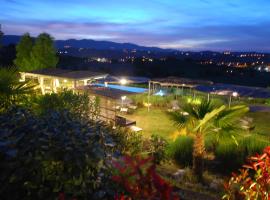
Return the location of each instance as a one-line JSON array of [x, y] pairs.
[[79, 105], [245, 147], [253, 182], [181, 150], [43, 156], [139, 180], [12, 91]]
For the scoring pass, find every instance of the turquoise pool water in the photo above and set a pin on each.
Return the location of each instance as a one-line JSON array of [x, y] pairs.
[[125, 88]]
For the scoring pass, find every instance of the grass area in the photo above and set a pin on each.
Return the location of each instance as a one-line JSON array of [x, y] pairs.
[[261, 121], [156, 122]]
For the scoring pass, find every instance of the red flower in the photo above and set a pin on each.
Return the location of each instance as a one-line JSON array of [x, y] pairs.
[[139, 179], [253, 185], [61, 196]]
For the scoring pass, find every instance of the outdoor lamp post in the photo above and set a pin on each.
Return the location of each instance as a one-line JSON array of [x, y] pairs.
[[123, 98], [234, 94], [183, 85]]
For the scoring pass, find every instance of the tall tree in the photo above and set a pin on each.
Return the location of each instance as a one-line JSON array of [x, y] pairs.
[[44, 53], [23, 55]]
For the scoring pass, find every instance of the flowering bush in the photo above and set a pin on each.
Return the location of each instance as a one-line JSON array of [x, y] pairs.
[[139, 180], [253, 182]]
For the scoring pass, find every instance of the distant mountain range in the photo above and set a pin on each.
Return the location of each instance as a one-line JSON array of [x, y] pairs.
[[88, 43]]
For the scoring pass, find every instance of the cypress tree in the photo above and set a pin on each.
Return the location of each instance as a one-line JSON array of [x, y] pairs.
[[44, 53], [23, 53]]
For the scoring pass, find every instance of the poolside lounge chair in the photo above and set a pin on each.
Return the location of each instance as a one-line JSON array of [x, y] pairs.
[[123, 110], [135, 128], [123, 122], [132, 107]]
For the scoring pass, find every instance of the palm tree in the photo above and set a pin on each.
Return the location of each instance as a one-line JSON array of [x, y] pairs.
[[12, 91], [203, 119]]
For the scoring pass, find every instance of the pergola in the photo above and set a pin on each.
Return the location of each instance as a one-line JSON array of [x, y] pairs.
[[173, 82], [176, 82], [51, 79]]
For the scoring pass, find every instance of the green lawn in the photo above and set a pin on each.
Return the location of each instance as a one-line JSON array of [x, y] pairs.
[[262, 122], [156, 122]]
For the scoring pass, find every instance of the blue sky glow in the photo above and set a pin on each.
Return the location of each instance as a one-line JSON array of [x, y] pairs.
[[182, 24]]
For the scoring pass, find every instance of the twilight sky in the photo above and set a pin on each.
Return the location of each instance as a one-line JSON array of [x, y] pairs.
[[182, 24]]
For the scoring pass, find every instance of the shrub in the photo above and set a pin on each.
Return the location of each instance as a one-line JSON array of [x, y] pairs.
[[45, 155], [229, 154], [77, 104], [128, 142], [138, 178], [253, 182], [228, 149], [252, 145], [181, 150], [155, 100], [156, 147]]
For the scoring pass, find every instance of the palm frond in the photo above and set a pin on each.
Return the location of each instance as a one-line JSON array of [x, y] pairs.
[[11, 89], [228, 119], [179, 119], [205, 123]]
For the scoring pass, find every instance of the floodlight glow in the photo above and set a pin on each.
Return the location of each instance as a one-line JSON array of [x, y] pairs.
[[160, 93], [56, 83], [123, 81], [235, 94], [65, 81]]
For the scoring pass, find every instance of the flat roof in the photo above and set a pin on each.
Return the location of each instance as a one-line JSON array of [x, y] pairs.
[[66, 74], [177, 81], [130, 79], [105, 91]]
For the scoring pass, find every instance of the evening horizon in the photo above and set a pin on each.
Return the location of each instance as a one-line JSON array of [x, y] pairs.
[[194, 25]]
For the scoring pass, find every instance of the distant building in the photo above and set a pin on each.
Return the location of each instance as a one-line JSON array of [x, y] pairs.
[[52, 80]]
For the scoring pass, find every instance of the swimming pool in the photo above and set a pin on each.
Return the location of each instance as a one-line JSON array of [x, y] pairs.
[[125, 88]]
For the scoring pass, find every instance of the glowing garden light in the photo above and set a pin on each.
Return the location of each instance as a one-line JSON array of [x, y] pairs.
[[235, 94], [160, 93], [123, 81], [123, 98]]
